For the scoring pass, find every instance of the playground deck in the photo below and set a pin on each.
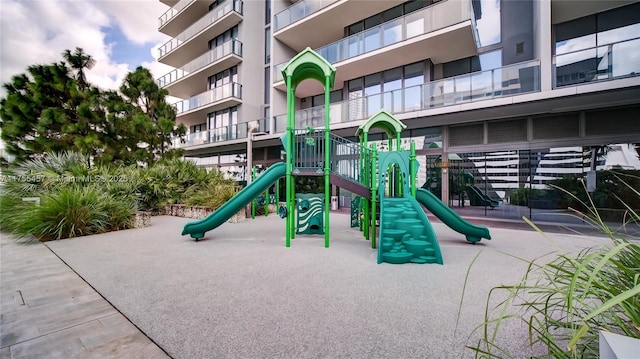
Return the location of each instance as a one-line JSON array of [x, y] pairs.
[[240, 293]]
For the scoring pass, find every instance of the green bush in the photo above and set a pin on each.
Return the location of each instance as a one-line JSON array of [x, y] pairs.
[[68, 212], [211, 195], [181, 182], [79, 199]]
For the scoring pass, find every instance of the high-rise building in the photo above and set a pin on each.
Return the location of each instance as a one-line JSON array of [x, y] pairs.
[[498, 88]]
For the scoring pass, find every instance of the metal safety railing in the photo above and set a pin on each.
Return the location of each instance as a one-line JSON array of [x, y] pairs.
[[346, 160]]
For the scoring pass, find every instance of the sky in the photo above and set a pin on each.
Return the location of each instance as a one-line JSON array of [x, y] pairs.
[[120, 35]]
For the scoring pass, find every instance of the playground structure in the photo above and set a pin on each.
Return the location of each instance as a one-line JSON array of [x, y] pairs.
[[476, 196], [383, 181]]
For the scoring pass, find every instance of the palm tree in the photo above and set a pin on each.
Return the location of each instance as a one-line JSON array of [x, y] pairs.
[[79, 61]]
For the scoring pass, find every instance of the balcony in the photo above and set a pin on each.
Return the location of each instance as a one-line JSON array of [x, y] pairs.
[[195, 108], [223, 134], [603, 63], [182, 82], [478, 86], [181, 15], [423, 34], [194, 40], [297, 26], [510, 80], [169, 2]]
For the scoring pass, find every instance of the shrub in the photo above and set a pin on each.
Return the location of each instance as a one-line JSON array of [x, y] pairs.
[[69, 212], [210, 195]]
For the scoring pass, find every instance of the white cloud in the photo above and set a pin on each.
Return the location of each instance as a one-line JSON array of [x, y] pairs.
[[37, 32]]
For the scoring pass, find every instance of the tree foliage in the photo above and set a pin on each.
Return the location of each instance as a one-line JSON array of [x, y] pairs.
[[53, 108]]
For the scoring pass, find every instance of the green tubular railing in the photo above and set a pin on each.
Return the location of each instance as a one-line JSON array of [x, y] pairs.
[[345, 155]]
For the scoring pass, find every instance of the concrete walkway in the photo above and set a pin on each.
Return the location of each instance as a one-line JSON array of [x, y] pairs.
[[239, 293], [48, 311]]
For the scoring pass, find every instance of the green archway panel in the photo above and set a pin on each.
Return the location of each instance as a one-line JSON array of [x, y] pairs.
[[308, 64], [382, 120]]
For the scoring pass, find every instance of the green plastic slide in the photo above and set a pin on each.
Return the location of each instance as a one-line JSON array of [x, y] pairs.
[[473, 232], [197, 229]]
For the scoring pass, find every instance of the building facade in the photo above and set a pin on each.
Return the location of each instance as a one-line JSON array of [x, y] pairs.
[[516, 93]]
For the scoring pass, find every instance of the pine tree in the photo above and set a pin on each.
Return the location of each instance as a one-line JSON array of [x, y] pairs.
[[52, 108]]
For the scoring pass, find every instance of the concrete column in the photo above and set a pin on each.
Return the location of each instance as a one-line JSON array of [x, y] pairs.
[[543, 42]]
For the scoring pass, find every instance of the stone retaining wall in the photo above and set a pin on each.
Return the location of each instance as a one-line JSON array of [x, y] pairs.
[[198, 212]]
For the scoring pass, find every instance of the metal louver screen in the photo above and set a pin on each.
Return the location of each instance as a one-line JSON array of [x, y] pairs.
[[613, 122], [556, 127], [466, 135], [507, 131]]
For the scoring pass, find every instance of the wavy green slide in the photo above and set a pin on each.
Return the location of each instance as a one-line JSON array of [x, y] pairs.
[[473, 232], [197, 229]]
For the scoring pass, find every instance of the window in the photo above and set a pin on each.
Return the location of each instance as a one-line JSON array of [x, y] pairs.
[[198, 128], [267, 45], [267, 12], [598, 47], [387, 15], [488, 22], [267, 85], [221, 124], [225, 77], [224, 37]]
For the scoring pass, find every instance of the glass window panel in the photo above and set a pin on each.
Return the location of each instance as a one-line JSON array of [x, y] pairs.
[[372, 80], [267, 45], [356, 84], [491, 60], [625, 58], [392, 32], [415, 26], [335, 96], [355, 45], [355, 28], [372, 21], [619, 34], [393, 13], [234, 115], [411, 6], [576, 44], [414, 71], [488, 24], [372, 39]]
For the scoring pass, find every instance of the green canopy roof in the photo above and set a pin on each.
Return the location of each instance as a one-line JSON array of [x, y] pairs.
[[309, 65], [384, 121]]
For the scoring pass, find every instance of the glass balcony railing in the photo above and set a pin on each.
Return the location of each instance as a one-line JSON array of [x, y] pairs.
[[173, 11], [509, 80], [430, 19], [204, 22], [505, 81], [214, 95], [602, 63], [222, 134], [211, 56], [299, 10]]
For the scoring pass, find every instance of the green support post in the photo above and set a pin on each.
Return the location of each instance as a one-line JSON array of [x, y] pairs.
[[266, 202], [289, 154], [327, 159], [366, 203], [374, 194], [253, 202], [413, 169]]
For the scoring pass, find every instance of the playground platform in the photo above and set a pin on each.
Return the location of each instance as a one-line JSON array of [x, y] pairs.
[[240, 293]]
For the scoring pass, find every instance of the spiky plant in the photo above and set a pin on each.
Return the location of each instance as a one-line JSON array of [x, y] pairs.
[[566, 301]]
